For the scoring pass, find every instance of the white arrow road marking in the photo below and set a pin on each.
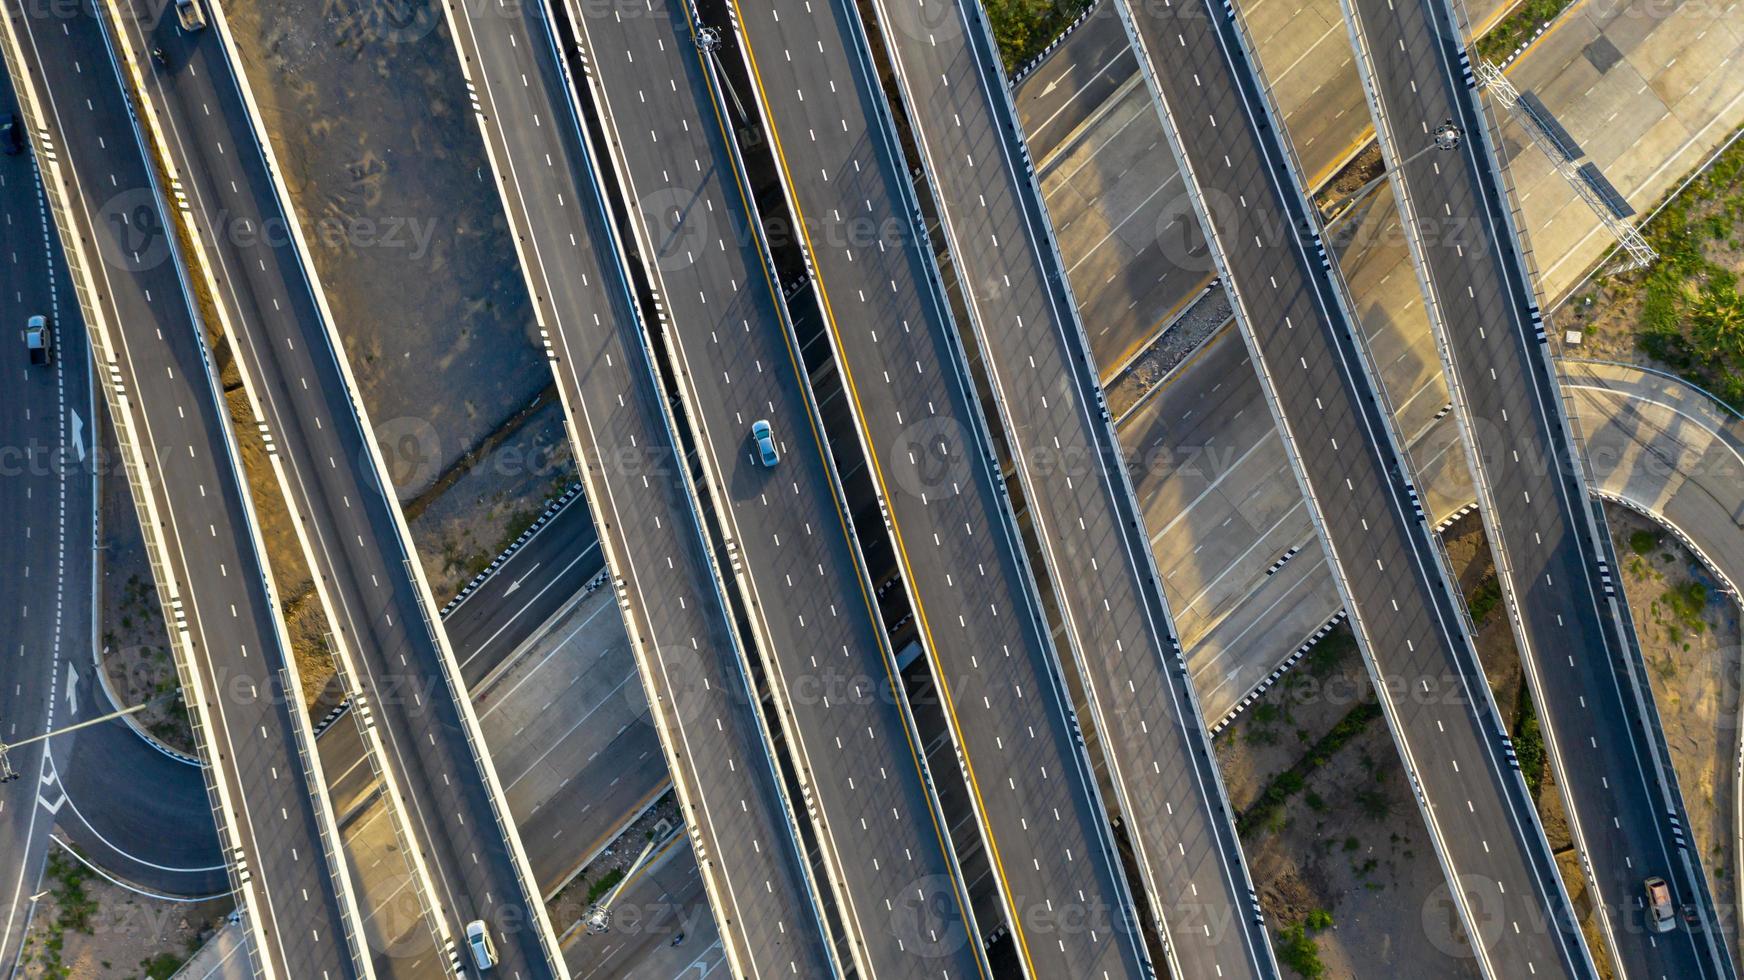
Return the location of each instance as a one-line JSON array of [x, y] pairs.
[[516, 584], [72, 690], [78, 434]]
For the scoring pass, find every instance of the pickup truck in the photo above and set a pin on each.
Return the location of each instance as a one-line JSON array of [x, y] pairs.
[[190, 15]]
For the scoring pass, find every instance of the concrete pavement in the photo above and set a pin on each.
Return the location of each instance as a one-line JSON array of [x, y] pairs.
[[1089, 527], [229, 642], [734, 359], [48, 490], [715, 737]]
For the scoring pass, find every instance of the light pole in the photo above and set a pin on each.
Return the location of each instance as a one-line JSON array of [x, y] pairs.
[[8, 774], [1444, 137]]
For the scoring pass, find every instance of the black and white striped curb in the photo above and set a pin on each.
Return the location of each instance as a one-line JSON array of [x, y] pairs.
[[331, 716], [1275, 566], [1451, 519], [1272, 678], [551, 510], [1036, 62]]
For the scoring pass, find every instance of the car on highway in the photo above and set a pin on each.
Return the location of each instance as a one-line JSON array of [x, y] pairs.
[[190, 15], [765, 439], [39, 339], [12, 135], [1661, 916], [478, 943]]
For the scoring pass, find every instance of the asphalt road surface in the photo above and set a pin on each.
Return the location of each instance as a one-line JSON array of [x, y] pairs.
[[1608, 755], [833, 671], [1068, 459], [674, 607], [218, 605], [1295, 320], [47, 492], [352, 533], [1039, 813], [494, 619]]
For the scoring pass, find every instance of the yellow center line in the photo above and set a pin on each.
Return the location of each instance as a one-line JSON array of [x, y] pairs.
[[841, 517], [883, 489]]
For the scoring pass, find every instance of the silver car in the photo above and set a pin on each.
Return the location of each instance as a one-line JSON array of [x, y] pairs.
[[765, 438], [39, 339]]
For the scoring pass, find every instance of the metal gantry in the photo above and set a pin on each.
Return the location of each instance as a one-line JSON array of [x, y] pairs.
[[1640, 253]]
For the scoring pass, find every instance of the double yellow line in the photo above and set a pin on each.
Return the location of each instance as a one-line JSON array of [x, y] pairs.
[[883, 489]]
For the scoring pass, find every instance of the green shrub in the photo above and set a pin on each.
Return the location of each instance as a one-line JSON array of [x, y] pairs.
[[1022, 28], [1484, 600], [1298, 951], [1529, 743]]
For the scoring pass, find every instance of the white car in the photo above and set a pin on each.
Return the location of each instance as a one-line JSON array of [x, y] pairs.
[[765, 437], [478, 942]]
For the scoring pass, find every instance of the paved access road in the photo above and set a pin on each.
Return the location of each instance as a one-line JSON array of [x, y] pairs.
[[661, 929], [832, 671], [487, 624], [222, 616], [47, 492], [1296, 321], [350, 527], [1609, 757], [1089, 526], [1037, 807], [672, 600]]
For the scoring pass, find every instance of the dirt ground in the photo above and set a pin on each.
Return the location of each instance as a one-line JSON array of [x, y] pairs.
[[135, 650], [86, 928], [367, 113], [414, 254], [1361, 169], [1201, 321], [568, 906], [1350, 843], [489, 505], [305, 620], [1692, 652]]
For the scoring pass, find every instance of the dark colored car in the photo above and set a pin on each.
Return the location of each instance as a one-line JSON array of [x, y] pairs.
[[12, 135]]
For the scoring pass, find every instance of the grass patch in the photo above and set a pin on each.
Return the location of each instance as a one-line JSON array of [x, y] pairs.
[[1323, 657], [1297, 948], [1685, 603], [1529, 742], [1513, 30], [1270, 805], [1023, 28], [162, 966], [1686, 308], [607, 882], [1484, 599]]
